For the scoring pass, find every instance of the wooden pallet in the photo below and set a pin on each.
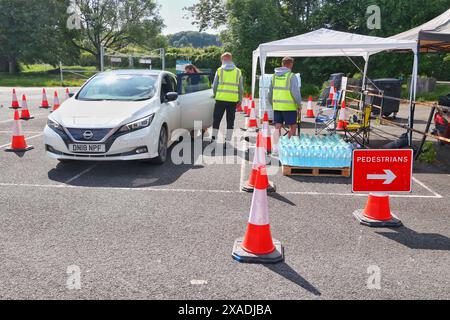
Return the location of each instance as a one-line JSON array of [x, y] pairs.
[[316, 172]]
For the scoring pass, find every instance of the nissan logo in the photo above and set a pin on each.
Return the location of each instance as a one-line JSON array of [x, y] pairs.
[[88, 135]]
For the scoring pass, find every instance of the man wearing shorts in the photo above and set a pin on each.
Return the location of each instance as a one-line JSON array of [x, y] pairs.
[[285, 97]]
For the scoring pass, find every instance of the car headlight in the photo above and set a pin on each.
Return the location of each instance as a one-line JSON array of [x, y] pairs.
[[54, 125], [137, 125]]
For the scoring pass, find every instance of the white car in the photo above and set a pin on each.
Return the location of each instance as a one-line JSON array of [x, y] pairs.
[[128, 115]]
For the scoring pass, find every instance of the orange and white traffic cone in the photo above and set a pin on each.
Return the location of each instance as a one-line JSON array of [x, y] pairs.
[[251, 105], [56, 103], [67, 93], [343, 119], [25, 114], [239, 107], [15, 101], [245, 104], [258, 246], [310, 110], [332, 92], [18, 143], [252, 122], [259, 159], [377, 213], [44, 103], [266, 134]]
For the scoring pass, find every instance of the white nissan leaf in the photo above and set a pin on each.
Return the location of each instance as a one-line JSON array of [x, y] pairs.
[[128, 115]]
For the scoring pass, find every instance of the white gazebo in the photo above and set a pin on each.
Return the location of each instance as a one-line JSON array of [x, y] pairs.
[[330, 43], [433, 36]]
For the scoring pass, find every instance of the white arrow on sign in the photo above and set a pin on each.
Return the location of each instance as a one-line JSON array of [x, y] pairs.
[[388, 177]]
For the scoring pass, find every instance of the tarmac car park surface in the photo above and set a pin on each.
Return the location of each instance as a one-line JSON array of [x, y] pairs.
[[166, 232]]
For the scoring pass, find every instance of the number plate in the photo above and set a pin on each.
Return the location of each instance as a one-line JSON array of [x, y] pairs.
[[87, 148]]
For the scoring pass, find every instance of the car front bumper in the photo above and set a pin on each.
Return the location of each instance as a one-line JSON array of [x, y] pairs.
[[138, 145]]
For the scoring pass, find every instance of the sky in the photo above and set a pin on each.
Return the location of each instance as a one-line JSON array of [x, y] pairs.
[[172, 13]]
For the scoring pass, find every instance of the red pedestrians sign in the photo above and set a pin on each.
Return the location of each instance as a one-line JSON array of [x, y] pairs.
[[382, 170]]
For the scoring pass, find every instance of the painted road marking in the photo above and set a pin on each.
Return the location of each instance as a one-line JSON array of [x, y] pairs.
[[82, 173], [63, 186]]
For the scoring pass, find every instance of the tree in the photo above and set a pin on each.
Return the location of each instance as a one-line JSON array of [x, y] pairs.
[[208, 13], [193, 39], [29, 32], [251, 22], [115, 24]]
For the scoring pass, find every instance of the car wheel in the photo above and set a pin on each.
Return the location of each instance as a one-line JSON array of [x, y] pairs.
[[162, 147]]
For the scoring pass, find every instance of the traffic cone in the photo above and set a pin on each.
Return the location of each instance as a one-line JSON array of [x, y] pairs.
[[377, 213], [343, 119], [67, 93], [18, 143], [251, 105], [310, 110], [25, 115], [44, 104], [252, 122], [258, 245], [259, 159], [266, 134], [56, 104], [239, 107], [332, 92], [15, 101]]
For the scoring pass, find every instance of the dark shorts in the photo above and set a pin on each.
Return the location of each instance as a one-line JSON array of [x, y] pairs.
[[285, 117]]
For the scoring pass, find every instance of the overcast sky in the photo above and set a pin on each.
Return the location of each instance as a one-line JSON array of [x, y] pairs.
[[172, 13]]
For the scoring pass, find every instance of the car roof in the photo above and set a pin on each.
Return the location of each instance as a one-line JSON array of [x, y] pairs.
[[134, 72]]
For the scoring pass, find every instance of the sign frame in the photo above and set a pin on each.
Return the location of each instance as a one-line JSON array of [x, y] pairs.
[[383, 192]]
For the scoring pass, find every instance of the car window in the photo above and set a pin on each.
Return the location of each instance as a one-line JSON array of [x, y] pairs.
[[114, 87], [168, 84], [191, 83]]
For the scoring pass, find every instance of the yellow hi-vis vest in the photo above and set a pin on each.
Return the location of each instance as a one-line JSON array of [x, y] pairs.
[[228, 88], [282, 97]]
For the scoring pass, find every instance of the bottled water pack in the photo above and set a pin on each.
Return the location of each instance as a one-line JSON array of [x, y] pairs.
[[316, 151]]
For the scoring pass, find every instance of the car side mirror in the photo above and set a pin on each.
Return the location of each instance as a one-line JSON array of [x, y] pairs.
[[71, 95], [171, 96]]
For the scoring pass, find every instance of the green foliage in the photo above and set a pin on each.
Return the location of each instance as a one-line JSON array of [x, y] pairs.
[[193, 39], [115, 24], [429, 153], [29, 32], [203, 58], [249, 23]]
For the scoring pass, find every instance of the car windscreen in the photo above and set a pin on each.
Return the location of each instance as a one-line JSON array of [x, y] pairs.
[[114, 87]]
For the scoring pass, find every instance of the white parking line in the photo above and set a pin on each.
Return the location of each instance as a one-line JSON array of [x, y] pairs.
[[27, 138], [25, 132], [423, 185], [82, 173], [62, 186]]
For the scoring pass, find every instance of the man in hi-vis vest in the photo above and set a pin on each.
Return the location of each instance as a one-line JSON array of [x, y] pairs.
[[285, 97], [228, 90]]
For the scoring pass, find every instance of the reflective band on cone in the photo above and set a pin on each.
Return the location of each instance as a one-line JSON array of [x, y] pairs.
[[25, 114], [266, 134], [56, 104], [252, 122], [258, 245], [259, 160], [342, 124], [310, 110], [44, 104], [18, 143], [15, 102], [378, 213]]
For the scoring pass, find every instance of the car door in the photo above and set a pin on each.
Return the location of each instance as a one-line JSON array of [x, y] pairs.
[[171, 109], [197, 101]]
